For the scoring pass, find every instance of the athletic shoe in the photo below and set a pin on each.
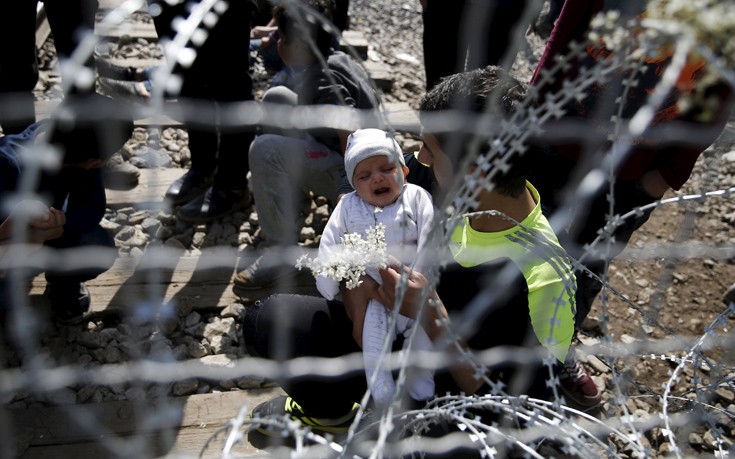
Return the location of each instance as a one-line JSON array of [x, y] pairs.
[[578, 386], [70, 301], [133, 92], [119, 174], [265, 271], [282, 405], [213, 204], [729, 296]]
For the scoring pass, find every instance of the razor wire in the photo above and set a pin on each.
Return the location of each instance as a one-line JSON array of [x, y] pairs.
[[400, 432]]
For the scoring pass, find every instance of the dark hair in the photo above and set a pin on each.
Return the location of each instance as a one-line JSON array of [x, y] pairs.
[[90, 126], [471, 92], [295, 23]]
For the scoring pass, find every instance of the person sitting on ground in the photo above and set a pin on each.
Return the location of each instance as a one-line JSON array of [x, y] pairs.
[[514, 268], [40, 224], [375, 167], [87, 129], [286, 166]]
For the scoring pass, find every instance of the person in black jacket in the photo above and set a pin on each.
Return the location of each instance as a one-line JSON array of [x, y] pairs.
[[464, 34], [86, 130], [287, 165]]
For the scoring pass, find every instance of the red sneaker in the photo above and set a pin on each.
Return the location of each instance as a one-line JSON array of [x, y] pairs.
[[577, 385]]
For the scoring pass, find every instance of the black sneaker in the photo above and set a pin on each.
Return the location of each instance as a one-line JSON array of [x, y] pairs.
[[282, 406], [214, 204], [119, 174], [729, 296], [134, 92], [70, 302], [187, 187], [265, 271]]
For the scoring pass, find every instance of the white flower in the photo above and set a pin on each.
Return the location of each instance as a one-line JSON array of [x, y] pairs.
[[351, 262]]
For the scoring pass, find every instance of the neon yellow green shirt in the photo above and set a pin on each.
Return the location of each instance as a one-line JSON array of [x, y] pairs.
[[533, 247]]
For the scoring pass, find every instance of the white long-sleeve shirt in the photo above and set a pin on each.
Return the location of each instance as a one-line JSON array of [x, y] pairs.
[[406, 222]]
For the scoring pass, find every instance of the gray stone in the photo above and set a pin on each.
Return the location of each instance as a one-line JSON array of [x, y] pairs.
[[627, 339], [192, 319], [219, 360], [696, 440], [196, 330], [712, 442], [151, 226], [322, 211], [228, 384], [125, 234], [135, 394], [168, 325], [186, 387], [307, 233], [138, 217], [219, 327], [235, 311], [597, 364], [84, 360], [91, 340], [121, 219], [726, 395], [151, 159], [250, 382], [110, 226], [184, 307], [222, 345], [139, 239], [111, 354], [86, 393], [181, 352], [63, 396], [197, 350]]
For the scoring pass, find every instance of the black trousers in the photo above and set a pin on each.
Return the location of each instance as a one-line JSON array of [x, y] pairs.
[[68, 19], [283, 327], [219, 75], [452, 28]]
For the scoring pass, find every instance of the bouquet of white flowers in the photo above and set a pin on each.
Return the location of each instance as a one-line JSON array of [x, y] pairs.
[[354, 257]]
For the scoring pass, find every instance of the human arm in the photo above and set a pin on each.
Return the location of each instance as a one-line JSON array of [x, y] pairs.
[[264, 30], [433, 317], [43, 223], [48, 227], [81, 194], [654, 183]]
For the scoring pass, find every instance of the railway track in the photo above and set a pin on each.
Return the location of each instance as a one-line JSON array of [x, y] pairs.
[[140, 27]]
